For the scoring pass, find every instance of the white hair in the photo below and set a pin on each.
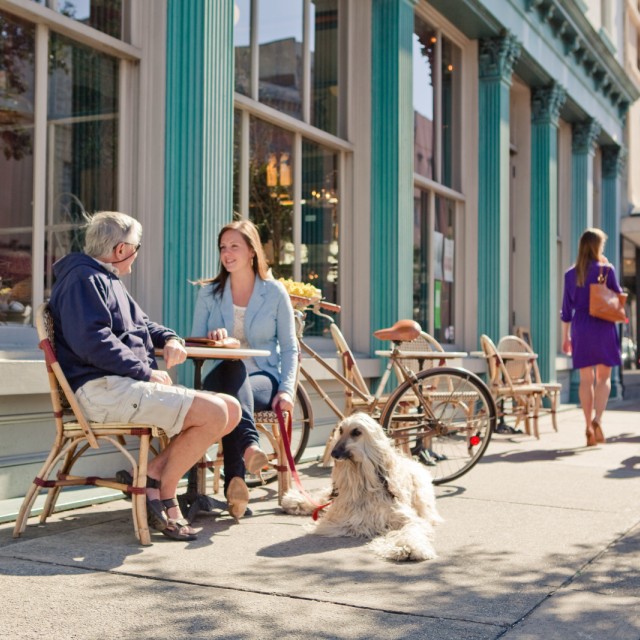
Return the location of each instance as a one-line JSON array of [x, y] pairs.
[[108, 228]]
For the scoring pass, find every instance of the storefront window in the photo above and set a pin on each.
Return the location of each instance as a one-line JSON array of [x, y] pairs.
[[242, 45], [271, 193], [103, 15], [79, 152], [320, 223], [436, 104], [280, 38], [17, 94], [83, 143], [324, 66], [424, 41], [421, 254], [450, 125], [443, 273]]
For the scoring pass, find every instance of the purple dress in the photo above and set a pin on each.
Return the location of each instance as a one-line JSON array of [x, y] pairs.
[[593, 341]]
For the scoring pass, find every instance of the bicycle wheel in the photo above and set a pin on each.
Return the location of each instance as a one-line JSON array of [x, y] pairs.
[[301, 426], [444, 419]]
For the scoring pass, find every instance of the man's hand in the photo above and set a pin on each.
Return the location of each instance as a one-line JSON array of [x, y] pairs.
[[173, 353], [161, 377]]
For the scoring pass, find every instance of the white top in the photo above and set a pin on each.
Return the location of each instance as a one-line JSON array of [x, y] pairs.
[[238, 333]]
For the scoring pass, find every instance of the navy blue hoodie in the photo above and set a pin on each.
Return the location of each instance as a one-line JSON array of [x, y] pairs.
[[99, 328]]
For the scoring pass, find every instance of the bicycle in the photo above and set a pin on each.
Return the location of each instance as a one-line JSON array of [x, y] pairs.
[[443, 416]]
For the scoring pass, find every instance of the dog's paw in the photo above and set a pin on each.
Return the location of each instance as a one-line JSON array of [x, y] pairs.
[[295, 504]]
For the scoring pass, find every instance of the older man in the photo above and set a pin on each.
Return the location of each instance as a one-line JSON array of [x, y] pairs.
[[105, 345]]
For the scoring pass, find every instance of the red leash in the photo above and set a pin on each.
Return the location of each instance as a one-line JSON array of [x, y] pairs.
[[285, 431]]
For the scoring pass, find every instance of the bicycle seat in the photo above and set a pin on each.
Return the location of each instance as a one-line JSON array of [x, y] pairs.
[[402, 331]]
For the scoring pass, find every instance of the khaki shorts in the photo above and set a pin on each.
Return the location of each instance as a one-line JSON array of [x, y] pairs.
[[119, 399]]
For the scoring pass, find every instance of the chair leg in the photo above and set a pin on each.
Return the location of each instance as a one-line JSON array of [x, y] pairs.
[[139, 499], [34, 489], [25, 510], [52, 497], [554, 404]]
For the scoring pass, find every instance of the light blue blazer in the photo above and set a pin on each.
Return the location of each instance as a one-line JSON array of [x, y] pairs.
[[268, 324]]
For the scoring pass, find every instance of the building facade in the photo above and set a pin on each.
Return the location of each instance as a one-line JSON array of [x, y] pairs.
[[436, 160]]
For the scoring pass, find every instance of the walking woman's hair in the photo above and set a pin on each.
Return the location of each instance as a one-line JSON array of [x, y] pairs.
[[590, 248], [249, 232]]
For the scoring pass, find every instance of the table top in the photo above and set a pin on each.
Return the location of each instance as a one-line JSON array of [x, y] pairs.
[[424, 355], [507, 355], [220, 353]]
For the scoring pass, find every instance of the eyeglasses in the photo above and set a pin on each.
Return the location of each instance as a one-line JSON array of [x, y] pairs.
[[137, 246]]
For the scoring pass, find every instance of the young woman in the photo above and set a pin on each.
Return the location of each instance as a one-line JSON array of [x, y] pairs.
[[593, 343], [244, 302]]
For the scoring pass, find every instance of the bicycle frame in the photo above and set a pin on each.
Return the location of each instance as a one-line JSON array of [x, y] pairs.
[[372, 401]]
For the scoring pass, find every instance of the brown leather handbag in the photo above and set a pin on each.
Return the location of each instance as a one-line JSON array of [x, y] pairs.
[[605, 303]]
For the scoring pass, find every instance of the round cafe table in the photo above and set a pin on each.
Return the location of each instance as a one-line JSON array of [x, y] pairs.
[[195, 498]]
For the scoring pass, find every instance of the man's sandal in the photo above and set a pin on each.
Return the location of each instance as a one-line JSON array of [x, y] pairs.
[[156, 515], [174, 527]]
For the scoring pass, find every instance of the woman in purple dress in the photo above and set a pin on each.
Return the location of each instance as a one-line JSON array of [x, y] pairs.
[[593, 343]]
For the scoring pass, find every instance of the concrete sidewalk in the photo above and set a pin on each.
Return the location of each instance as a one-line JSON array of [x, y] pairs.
[[540, 540]]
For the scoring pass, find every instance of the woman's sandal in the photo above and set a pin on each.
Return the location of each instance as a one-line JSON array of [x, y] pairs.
[[597, 430], [174, 528]]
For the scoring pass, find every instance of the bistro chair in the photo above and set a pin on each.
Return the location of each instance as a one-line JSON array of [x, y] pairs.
[[269, 429], [75, 435], [518, 397], [551, 389]]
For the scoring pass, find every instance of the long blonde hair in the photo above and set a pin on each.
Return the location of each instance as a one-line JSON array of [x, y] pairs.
[[590, 248], [250, 234]]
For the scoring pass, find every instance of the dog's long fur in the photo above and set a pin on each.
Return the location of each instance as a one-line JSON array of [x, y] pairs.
[[377, 493]]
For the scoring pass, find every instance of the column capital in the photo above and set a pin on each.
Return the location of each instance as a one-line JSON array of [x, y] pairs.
[[613, 160], [497, 57], [546, 103], [584, 136]]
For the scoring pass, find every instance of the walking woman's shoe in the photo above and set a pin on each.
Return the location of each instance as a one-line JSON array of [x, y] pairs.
[[237, 497], [597, 431], [591, 438]]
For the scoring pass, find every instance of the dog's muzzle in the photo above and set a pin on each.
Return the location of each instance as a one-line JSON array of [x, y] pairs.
[[339, 452]]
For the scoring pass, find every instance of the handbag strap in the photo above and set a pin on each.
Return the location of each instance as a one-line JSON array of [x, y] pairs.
[[602, 277]]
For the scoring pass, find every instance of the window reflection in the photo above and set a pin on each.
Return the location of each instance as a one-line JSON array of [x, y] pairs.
[[17, 92], [242, 45], [421, 254], [324, 66], [271, 193], [444, 262], [320, 223], [436, 104], [280, 36], [424, 44], [451, 62], [82, 136], [103, 15]]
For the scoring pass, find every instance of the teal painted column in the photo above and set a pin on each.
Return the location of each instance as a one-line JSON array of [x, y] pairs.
[[198, 148], [584, 135], [545, 111], [496, 59], [612, 164], [391, 162]]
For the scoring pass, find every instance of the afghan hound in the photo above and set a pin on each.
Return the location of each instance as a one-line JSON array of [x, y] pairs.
[[378, 493]]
